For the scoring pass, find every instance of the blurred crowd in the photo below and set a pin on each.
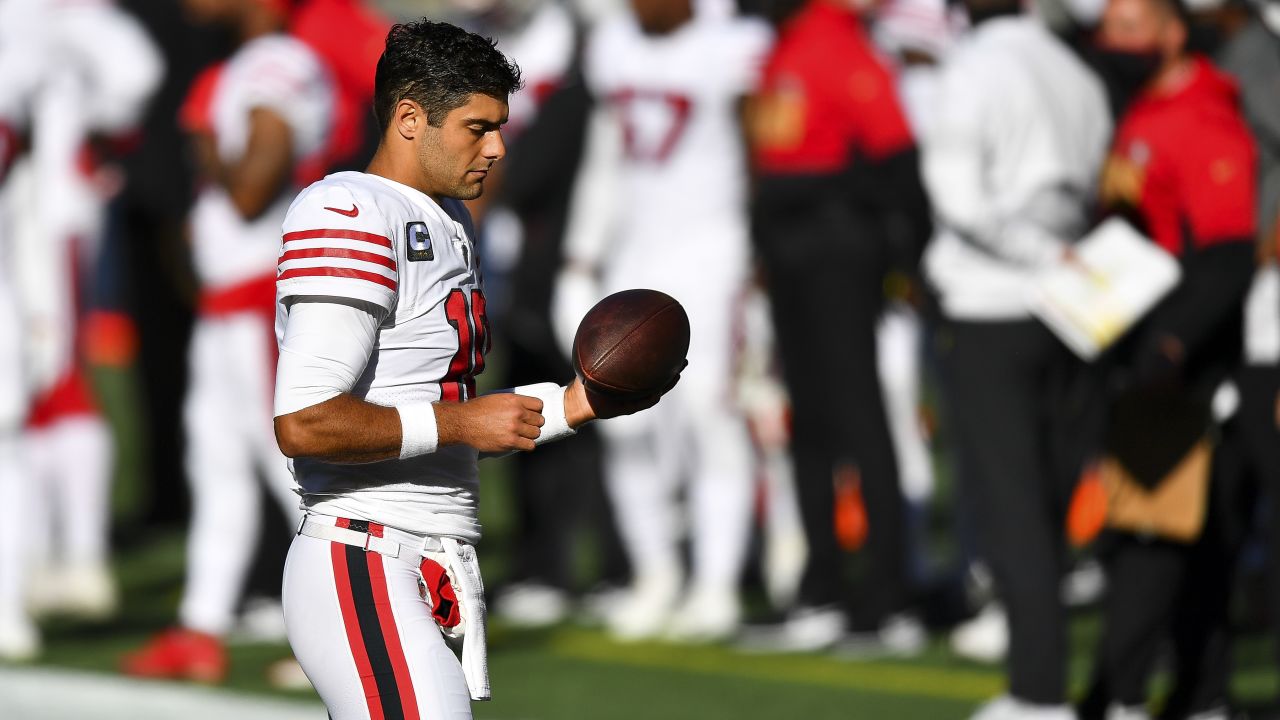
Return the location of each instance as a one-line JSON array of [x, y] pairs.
[[856, 201]]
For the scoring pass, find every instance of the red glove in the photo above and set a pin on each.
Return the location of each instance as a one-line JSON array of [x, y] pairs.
[[439, 591]]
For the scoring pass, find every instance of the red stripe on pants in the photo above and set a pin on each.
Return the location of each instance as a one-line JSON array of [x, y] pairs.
[[351, 623], [390, 633]]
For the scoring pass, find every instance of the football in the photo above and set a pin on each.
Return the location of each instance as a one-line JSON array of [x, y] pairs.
[[632, 343]]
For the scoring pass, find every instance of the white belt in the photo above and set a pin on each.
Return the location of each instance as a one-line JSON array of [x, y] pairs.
[[459, 561], [385, 546]]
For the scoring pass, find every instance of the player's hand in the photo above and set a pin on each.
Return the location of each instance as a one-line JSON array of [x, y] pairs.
[[496, 423], [605, 405]]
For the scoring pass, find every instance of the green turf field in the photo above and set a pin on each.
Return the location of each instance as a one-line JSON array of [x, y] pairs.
[[575, 672], [572, 672]]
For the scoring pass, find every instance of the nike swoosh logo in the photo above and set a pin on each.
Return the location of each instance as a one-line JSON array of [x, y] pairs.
[[354, 211]]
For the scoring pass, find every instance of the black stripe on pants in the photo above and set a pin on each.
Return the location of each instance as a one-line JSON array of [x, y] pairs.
[[371, 632]]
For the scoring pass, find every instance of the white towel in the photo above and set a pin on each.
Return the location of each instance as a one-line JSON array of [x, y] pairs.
[[464, 571]]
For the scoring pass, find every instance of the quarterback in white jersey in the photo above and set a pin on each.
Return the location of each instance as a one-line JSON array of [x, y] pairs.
[[382, 328], [665, 153], [409, 262]]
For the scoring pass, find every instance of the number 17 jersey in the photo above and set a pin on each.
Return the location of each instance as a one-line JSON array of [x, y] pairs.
[[364, 240]]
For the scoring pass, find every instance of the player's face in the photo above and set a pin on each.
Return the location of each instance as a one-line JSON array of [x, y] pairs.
[[457, 156], [1137, 26]]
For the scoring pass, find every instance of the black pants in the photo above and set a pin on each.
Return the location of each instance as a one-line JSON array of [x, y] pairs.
[[825, 267], [1255, 430], [1165, 594], [1161, 591], [1020, 407]]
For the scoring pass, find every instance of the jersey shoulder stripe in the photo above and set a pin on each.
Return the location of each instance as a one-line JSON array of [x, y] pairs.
[[374, 258], [335, 233], [339, 272], [336, 254], [307, 252]]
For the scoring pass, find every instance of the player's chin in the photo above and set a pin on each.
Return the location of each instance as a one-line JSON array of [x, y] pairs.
[[471, 188]]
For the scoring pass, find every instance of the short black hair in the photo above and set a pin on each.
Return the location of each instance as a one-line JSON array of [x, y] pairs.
[[439, 66]]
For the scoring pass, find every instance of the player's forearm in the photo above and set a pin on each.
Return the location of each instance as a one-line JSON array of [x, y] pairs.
[[255, 180], [343, 429]]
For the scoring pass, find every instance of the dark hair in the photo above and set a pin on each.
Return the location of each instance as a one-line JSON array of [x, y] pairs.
[[1178, 9], [439, 66]]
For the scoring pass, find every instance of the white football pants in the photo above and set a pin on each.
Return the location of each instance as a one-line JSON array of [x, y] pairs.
[[230, 439], [365, 637], [898, 344], [14, 485], [696, 433], [69, 466]]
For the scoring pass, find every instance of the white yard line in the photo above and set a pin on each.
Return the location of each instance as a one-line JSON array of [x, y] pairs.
[[48, 694]]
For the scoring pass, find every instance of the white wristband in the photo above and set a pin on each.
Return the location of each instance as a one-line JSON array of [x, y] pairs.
[[418, 433], [552, 397]]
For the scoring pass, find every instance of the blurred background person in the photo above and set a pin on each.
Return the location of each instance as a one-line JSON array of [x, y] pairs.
[[1010, 161], [521, 220], [1197, 202], [1252, 57], [837, 179], [60, 219], [917, 34], [20, 69], [661, 203], [762, 396], [253, 122], [348, 35], [78, 77]]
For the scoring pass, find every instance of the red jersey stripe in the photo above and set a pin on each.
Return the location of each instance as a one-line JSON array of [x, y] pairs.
[[338, 272], [368, 237], [375, 258]]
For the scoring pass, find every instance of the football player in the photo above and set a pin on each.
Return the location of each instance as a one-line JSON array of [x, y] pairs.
[[382, 327], [70, 73], [665, 151]]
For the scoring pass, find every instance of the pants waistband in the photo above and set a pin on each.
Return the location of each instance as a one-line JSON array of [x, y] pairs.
[[381, 539]]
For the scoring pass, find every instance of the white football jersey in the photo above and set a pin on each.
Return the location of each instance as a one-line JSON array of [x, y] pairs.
[[677, 98], [356, 237], [282, 74]]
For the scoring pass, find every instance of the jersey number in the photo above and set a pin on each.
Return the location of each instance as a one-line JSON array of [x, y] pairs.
[[472, 325], [652, 122]]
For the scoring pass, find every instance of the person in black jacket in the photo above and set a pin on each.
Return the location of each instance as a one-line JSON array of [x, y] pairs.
[[1197, 201]]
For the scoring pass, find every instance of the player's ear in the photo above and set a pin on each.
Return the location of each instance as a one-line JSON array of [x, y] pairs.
[[409, 119]]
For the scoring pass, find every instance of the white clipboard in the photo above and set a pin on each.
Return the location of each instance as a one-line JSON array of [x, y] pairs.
[[1117, 277]]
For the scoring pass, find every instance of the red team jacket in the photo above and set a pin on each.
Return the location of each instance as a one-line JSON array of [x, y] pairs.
[[1185, 161], [826, 97]]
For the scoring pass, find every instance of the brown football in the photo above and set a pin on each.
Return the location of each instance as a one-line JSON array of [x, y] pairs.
[[631, 343]]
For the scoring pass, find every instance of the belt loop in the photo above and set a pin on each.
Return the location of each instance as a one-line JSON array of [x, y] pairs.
[[431, 543], [367, 538]]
